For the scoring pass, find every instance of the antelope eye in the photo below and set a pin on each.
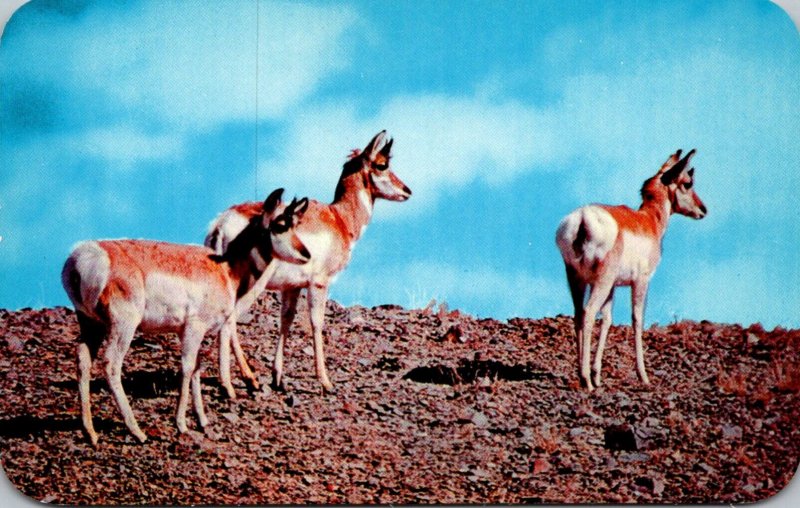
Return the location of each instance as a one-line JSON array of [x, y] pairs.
[[687, 185], [279, 225], [380, 167]]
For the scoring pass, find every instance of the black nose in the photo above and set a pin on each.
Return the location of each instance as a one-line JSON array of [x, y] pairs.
[[304, 252], [703, 209], [407, 190]]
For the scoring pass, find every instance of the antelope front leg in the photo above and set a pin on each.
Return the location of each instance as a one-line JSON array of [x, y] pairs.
[[241, 359], [638, 297], [288, 311], [197, 397], [318, 297], [226, 335], [192, 339]]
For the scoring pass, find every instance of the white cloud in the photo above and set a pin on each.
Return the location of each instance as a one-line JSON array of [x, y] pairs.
[[191, 64], [199, 64], [121, 147], [441, 144], [614, 129]]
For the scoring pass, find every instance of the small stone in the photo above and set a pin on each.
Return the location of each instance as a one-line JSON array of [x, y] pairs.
[[231, 417], [578, 431], [652, 422], [621, 437], [479, 419], [15, 345], [540, 465], [634, 457], [731, 431], [654, 485], [705, 467]]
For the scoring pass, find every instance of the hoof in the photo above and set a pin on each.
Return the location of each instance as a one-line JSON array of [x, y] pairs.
[[252, 384], [230, 392], [277, 387]]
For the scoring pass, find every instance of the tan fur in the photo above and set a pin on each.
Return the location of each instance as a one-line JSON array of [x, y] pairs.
[[608, 246], [330, 232], [119, 286]]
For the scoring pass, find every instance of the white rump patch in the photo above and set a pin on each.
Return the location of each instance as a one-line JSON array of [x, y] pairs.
[[223, 229], [598, 230], [93, 267]]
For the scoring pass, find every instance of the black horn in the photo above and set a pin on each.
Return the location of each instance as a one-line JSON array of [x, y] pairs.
[[387, 148], [673, 172], [273, 201]]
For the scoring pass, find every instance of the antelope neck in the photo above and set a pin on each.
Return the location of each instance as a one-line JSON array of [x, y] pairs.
[[656, 204], [354, 205], [248, 257]]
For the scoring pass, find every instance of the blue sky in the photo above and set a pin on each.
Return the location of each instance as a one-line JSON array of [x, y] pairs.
[[145, 119]]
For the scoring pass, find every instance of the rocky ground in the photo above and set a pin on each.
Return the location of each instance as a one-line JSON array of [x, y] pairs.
[[431, 406]]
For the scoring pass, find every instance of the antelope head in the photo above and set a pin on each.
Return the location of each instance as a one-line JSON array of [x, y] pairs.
[[678, 177], [279, 222]]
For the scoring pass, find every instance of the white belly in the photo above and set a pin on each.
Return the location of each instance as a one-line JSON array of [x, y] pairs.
[[317, 270], [170, 301], [640, 257]]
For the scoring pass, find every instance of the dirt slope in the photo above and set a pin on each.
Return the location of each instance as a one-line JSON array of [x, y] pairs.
[[431, 406]]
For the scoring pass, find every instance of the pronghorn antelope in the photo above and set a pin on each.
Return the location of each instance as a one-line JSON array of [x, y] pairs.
[[119, 286], [607, 246], [330, 232]]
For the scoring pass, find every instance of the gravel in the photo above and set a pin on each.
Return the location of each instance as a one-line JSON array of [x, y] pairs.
[[431, 406]]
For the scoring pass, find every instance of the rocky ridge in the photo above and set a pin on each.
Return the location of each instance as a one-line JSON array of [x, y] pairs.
[[432, 406]]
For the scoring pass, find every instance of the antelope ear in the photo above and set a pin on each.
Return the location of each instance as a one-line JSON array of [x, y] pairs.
[[300, 207], [672, 173], [296, 208], [273, 201], [387, 148], [671, 160], [375, 145]]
